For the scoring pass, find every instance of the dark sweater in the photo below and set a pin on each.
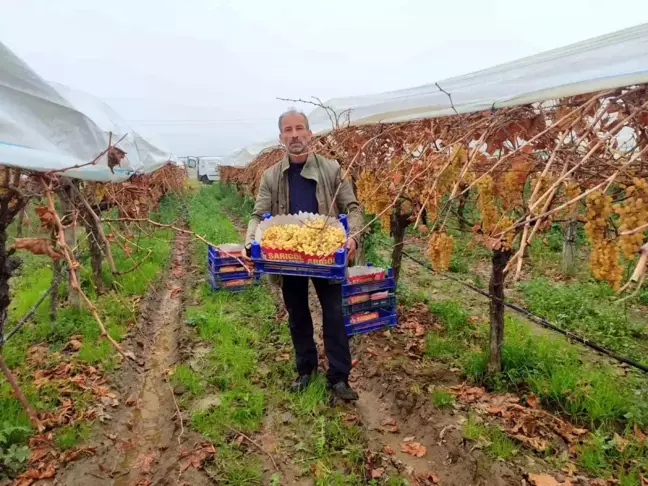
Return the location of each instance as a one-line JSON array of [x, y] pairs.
[[303, 196]]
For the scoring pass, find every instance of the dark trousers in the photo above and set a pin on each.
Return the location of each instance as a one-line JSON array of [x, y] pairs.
[[336, 342]]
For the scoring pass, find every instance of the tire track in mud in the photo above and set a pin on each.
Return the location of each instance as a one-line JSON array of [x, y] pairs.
[[141, 445]]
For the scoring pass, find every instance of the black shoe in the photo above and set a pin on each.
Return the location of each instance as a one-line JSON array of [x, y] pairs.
[[301, 383], [343, 391]]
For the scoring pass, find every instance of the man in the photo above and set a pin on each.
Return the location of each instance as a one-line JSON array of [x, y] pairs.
[[303, 181]]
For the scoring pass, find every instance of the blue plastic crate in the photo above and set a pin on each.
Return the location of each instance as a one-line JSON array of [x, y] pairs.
[[223, 277], [386, 318], [387, 303], [216, 284], [337, 271], [388, 283], [219, 259]]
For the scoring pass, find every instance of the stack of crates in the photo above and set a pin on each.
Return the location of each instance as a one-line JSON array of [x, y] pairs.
[[226, 272], [371, 305]]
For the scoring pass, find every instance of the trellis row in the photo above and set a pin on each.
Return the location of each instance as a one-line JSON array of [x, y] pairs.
[[81, 202], [578, 159]]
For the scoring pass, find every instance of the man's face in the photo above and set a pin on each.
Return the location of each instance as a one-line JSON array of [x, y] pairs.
[[294, 134]]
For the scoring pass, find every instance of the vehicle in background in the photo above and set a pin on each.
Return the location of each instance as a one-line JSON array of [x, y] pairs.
[[207, 168]]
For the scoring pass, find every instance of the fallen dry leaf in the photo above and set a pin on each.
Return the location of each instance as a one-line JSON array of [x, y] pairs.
[[74, 454], [388, 450], [532, 401], [75, 345], [202, 452], [570, 469], [351, 418], [354, 363], [145, 460], [433, 478], [388, 421], [598, 482], [413, 449], [542, 480], [377, 473], [419, 330]]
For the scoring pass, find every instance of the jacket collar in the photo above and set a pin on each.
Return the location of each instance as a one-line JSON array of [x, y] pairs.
[[310, 166]]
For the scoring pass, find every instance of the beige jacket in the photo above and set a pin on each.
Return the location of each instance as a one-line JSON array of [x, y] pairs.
[[273, 196]]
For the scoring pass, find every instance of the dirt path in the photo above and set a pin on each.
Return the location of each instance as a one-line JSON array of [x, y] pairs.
[[140, 443]]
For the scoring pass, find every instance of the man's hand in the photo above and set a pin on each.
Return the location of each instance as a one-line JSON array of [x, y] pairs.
[[352, 246]]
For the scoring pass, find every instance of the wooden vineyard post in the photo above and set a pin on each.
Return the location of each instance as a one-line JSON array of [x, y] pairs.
[[398, 224], [96, 253], [54, 294], [20, 223], [569, 248], [496, 289]]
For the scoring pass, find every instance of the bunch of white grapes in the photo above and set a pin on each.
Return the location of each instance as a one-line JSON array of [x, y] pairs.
[[314, 237]]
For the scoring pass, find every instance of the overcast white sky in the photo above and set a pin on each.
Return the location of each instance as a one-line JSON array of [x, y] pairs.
[[203, 75]]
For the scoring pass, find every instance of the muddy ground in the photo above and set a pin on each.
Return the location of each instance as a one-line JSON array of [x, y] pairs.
[[142, 442]]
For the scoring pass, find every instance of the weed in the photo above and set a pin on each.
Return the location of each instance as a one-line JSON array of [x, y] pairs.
[[496, 442], [441, 398], [70, 436], [586, 308], [184, 375], [441, 348], [452, 315], [591, 392]]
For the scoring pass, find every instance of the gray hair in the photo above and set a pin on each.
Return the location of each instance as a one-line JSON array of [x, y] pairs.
[[293, 111]]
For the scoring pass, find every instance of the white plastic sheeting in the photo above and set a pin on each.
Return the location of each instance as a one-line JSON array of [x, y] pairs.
[[610, 61], [46, 126], [237, 158]]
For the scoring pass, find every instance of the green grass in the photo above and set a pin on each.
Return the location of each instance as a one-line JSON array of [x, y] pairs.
[[588, 308], [441, 398], [70, 436], [452, 315], [593, 393], [244, 338], [184, 375], [495, 442], [442, 348]]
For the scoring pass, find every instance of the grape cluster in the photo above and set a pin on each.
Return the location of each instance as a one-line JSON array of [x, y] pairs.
[[314, 237], [571, 191], [374, 198], [439, 250], [486, 204], [633, 212], [598, 210], [604, 257], [511, 184], [604, 261]]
